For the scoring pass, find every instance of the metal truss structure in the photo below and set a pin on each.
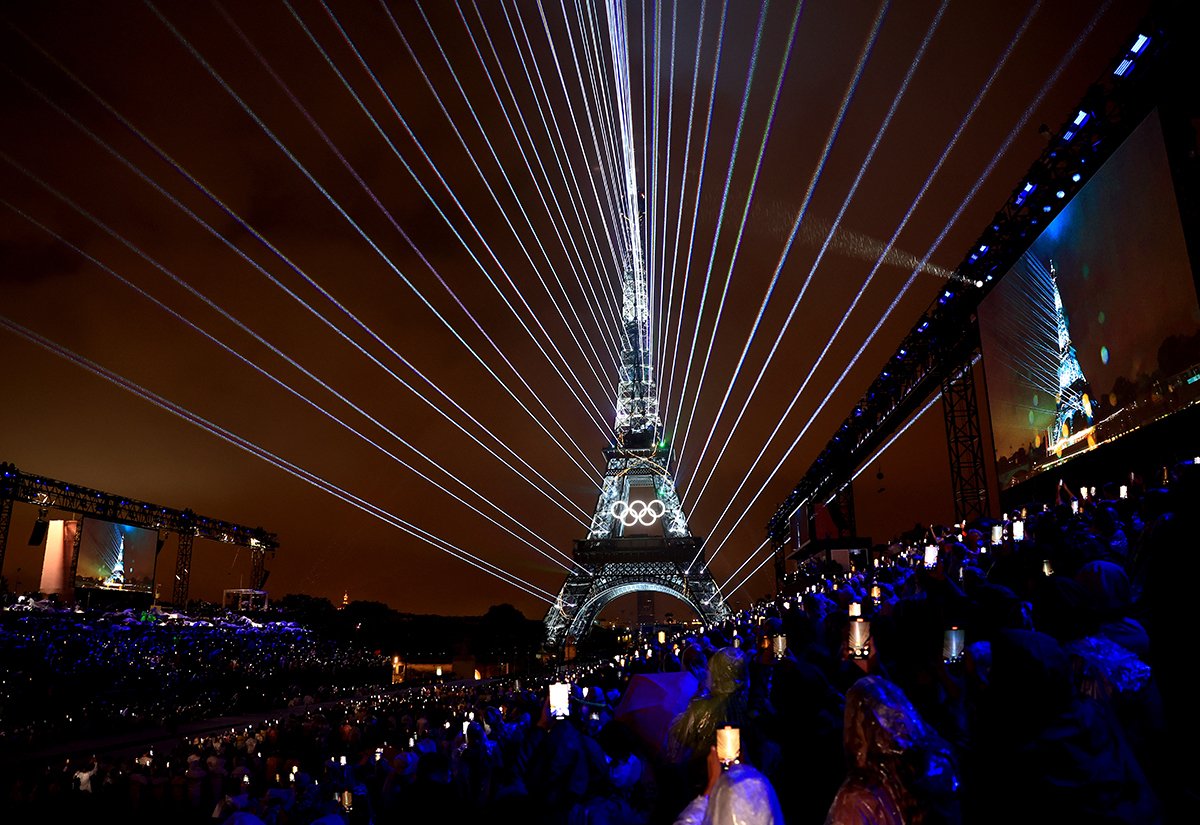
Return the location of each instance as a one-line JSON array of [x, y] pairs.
[[49, 493], [942, 344], [968, 472]]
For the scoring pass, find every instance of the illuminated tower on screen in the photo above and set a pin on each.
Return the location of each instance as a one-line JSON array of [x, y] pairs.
[[1072, 408], [638, 539]]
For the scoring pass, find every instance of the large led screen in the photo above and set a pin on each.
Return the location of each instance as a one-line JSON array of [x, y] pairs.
[[1096, 330], [116, 557]]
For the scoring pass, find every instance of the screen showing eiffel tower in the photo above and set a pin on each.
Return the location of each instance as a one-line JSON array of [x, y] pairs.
[[116, 557], [1096, 331]]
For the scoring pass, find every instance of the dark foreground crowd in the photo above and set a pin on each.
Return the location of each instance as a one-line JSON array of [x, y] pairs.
[[1065, 699]]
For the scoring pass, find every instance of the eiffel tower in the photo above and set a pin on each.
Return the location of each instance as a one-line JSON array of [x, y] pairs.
[[1073, 419], [639, 537]]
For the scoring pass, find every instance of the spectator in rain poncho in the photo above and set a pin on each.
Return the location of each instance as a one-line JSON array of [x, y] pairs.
[[901, 772], [720, 702], [1102, 669], [1107, 587], [1045, 754], [737, 796]]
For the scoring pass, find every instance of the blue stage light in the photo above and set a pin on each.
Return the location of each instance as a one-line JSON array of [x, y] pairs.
[[1025, 192], [1046, 208], [1076, 177], [1081, 118], [1140, 44], [1060, 194]]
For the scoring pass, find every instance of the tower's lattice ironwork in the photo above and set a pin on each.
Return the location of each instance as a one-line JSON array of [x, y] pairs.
[[1072, 409], [638, 538]]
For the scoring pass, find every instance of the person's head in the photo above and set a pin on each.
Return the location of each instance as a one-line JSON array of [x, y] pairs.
[[475, 734], [694, 660], [884, 734], [1104, 519], [725, 671], [744, 796], [1028, 683], [880, 724], [1062, 609], [1106, 586], [997, 608]]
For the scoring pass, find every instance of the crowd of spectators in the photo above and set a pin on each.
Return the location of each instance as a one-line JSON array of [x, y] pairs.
[[68, 673], [1038, 679]]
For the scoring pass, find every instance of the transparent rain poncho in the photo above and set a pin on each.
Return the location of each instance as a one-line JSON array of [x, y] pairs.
[[717, 704], [901, 771], [741, 796]]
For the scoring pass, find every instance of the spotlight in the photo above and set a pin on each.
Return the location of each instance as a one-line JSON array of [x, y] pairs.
[[1126, 63], [1046, 208], [1076, 177], [1060, 194]]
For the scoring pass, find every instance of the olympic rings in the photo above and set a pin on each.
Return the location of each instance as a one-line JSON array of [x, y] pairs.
[[637, 512]]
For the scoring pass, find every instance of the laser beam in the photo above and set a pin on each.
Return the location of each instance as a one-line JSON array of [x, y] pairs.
[[259, 452], [291, 265], [587, 468], [1025, 116], [279, 353], [899, 96]]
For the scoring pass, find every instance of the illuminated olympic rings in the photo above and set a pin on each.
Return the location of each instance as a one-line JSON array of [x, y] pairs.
[[638, 512]]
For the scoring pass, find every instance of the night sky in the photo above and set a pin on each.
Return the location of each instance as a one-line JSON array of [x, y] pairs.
[[421, 241]]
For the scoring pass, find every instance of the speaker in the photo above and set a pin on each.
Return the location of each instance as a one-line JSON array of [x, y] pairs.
[[38, 536]]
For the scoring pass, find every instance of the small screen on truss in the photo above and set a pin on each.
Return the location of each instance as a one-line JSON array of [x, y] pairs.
[[116, 557]]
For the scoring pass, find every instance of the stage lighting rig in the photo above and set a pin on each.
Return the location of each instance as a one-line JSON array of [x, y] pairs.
[[946, 335], [47, 493]]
